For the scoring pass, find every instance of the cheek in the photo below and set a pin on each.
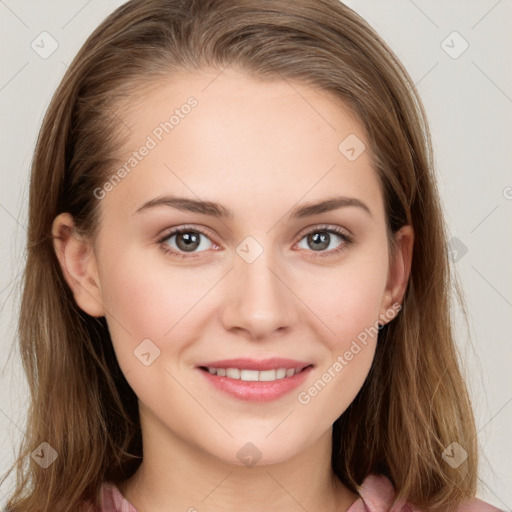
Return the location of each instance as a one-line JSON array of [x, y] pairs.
[[146, 297], [145, 301], [350, 305], [348, 299]]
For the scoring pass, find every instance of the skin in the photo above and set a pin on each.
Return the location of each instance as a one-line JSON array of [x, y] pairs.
[[259, 149]]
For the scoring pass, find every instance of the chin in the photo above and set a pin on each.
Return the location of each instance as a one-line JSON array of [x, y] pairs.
[[258, 451]]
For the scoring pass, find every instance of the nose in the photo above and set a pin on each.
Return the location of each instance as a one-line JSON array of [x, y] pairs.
[[259, 300]]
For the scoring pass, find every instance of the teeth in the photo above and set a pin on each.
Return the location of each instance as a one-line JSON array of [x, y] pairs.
[[249, 375], [281, 373], [233, 373], [254, 375], [267, 375]]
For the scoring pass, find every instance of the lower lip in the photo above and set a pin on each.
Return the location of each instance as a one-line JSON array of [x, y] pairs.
[[257, 391]]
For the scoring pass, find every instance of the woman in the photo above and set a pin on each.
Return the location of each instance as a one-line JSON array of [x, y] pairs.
[[237, 287]]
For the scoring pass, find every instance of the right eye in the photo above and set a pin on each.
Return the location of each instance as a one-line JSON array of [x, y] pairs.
[[184, 240]]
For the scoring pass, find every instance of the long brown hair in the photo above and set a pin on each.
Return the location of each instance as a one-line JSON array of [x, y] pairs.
[[414, 402]]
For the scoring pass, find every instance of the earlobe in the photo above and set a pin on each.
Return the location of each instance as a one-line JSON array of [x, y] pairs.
[[399, 269], [78, 264]]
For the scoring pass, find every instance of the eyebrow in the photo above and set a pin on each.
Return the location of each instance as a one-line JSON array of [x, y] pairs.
[[219, 211]]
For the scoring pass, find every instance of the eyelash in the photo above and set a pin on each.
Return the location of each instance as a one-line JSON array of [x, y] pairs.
[[324, 228]]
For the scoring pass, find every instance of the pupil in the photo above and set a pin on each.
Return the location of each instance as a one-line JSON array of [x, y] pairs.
[[187, 241], [322, 238]]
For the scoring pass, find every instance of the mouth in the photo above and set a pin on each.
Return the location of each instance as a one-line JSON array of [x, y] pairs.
[[247, 375], [256, 381]]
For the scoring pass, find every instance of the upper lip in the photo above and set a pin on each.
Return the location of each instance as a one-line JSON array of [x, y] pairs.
[[244, 363]]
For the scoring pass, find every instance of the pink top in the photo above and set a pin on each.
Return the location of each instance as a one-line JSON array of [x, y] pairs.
[[375, 495]]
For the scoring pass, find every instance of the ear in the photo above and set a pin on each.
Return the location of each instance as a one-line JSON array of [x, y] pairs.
[[399, 271], [78, 263]]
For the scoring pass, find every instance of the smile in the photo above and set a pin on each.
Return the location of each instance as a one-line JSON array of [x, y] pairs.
[[254, 375], [256, 385]]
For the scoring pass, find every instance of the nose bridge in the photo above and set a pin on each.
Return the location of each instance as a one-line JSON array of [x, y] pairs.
[[259, 301]]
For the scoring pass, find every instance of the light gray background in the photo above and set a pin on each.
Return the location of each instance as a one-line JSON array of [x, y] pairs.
[[469, 103]]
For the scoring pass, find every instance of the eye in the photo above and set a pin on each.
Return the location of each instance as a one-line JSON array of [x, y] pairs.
[[321, 238], [181, 241]]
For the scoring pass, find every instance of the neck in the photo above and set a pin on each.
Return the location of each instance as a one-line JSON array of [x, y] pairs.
[[177, 476]]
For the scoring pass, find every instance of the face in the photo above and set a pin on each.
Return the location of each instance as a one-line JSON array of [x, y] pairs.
[[258, 278]]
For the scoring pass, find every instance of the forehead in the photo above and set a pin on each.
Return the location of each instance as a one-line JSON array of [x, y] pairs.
[[242, 142]]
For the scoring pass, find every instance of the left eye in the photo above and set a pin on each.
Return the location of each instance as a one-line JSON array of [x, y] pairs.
[[323, 240]]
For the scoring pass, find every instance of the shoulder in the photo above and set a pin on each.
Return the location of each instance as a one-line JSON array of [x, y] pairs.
[[377, 494], [111, 500]]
